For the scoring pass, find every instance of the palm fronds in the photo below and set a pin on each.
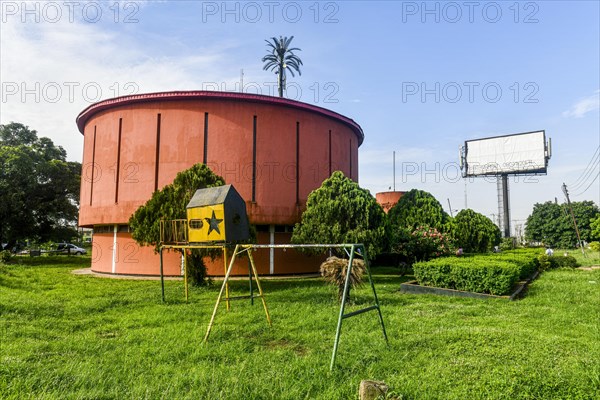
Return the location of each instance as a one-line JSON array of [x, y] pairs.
[[281, 58]]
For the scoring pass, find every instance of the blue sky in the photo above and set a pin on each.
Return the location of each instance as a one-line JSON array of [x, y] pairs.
[[530, 66]]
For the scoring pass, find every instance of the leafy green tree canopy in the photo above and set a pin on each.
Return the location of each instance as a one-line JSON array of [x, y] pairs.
[[474, 232], [39, 188], [552, 224], [340, 212], [595, 227], [418, 208], [170, 203]]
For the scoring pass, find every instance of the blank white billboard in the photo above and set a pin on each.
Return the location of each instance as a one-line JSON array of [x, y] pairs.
[[522, 153]]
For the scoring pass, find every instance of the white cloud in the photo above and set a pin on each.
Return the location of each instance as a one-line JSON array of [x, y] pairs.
[[50, 72], [584, 106]]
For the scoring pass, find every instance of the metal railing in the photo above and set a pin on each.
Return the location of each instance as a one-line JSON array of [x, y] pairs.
[[174, 231]]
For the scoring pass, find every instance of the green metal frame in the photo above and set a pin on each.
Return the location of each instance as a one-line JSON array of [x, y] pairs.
[[351, 250], [343, 316]]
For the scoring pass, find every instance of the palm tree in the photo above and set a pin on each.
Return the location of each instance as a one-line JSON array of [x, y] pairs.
[[281, 57]]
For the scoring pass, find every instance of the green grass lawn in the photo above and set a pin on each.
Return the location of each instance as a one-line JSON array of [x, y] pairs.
[[64, 336], [590, 258]]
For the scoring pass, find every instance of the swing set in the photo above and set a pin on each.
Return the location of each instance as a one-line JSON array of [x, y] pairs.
[[222, 206]]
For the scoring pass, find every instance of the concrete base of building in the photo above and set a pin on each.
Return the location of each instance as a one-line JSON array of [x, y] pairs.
[[117, 253]]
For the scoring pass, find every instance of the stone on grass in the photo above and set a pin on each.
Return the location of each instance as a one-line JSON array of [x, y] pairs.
[[371, 390]]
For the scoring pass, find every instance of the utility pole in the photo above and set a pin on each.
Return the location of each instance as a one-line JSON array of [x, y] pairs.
[[566, 192], [450, 207]]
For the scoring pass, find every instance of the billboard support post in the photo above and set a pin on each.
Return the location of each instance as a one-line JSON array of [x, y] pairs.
[[505, 206]]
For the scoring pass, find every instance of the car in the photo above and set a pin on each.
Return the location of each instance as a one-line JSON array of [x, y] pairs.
[[68, 248]]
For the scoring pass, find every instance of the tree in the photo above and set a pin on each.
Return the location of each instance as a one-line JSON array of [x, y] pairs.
[[552, 224], [280, 58], [595, 227], [474, 232], [170, 203], [585, 213], [39, 188], [340, 212], [421, 244], [418, 208]]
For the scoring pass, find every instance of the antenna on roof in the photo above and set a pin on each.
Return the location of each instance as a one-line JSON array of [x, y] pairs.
[[394, 170], [242, 80]]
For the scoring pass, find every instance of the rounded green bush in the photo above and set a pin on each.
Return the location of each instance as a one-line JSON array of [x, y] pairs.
[[5, 256]]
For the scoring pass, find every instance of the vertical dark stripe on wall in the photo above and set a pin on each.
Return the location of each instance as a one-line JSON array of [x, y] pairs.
[[297, 162], [350, 156], [93, 167], [254, 160], [330, 171], [118, 161], [205, 158], [157, 159]]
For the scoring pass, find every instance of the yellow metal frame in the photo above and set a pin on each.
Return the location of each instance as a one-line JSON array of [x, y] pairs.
[[227, 267], [185, 247], [239, 249]]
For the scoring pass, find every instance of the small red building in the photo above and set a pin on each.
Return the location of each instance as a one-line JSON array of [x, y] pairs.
[[274, 151], [387, 200]]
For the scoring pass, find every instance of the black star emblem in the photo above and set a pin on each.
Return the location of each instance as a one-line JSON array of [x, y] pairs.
[[213, 223]]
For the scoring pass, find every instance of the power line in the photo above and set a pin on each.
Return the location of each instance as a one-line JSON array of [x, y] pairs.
[[587, 171], [588, 186], [587, 175]]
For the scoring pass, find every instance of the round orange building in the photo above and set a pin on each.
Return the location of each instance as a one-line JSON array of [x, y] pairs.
[[274, 151]]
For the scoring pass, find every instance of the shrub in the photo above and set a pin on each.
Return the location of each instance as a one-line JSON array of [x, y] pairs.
[[422, 244], [563, 262], [418, 208], [474, 232], [5, 256], [544, 262], [527, 263], [595, 246], [553, 262], [474, 274], [508, 243], [340, 211]]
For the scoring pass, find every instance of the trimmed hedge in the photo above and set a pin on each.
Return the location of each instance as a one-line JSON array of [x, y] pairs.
[[527, 263], [473, 274], [563, 262], [491, 273], [552, 262]]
